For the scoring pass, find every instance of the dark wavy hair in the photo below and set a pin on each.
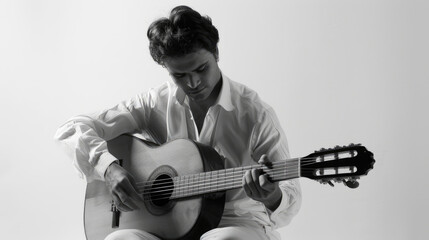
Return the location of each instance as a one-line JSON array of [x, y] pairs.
[[184, 32]]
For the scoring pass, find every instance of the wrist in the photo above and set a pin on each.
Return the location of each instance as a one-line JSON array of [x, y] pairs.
[[112, 165], [274, 202]]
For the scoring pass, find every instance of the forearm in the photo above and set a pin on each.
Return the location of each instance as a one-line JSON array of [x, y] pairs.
[[274, 201], [84, 137]]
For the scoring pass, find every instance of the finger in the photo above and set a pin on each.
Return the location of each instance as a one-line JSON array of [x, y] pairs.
[[263, 159], [251, 184], [127, 201], [255, 177], [265, 184], [246, 188], [119, 204], [131, 191]]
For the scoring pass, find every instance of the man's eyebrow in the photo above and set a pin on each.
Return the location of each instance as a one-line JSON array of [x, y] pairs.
[[178, 73], [200, 66]]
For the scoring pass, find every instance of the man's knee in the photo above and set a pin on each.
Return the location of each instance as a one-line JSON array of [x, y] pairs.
[[234, 233], [130, 234]]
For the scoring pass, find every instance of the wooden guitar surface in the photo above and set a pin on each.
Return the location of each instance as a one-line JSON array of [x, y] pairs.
[[185, 218]]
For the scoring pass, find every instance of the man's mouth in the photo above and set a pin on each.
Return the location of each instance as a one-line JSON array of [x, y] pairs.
[[196, 91]]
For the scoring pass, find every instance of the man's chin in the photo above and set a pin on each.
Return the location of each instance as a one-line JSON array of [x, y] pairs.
[[197, 98]]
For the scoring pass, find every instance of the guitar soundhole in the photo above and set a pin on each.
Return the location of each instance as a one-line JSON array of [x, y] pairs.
[[161, 190]]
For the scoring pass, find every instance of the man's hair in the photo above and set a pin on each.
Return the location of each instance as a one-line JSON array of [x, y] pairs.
[[184, 32]]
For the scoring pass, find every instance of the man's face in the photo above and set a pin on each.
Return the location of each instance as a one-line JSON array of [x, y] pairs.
[[196, 73]]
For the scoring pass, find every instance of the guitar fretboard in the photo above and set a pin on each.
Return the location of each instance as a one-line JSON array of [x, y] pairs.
[[226, 179]]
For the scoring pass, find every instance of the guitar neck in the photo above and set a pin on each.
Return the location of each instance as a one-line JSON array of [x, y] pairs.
[[226, 179]]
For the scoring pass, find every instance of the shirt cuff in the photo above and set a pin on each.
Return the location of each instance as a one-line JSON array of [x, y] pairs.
[[103, 163], [281, 207]]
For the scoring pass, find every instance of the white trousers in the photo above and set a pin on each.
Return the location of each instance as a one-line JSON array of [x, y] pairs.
[[221, 233]]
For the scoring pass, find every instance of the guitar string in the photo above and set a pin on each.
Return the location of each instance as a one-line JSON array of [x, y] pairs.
[[209, 179], [235, 180], [274, 164], [235, 183], [219, 184], [204, 180], [191, 187], [192, 192], [200, 189], [220, 181], [221, 172], [304, 162]]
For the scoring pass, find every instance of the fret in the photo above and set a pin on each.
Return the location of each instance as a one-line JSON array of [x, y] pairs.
[[281, 172], [238, 176], [174, 193], [186, 186], [176, 189], [196, 185], [191, 183], [222, 174], [180, 185], [228, 178], [201, 183], [207, 182], [214, 181]]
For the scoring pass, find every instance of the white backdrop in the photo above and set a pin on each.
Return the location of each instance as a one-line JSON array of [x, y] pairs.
[[335, 71]]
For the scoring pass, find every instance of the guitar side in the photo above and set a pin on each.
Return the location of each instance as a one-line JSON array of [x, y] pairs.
[[176, 219]]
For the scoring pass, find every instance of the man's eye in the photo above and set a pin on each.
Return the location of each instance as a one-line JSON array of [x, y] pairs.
[[202, 69], [178, 75]]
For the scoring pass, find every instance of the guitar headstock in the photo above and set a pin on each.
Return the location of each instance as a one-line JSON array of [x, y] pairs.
[[339, 164]]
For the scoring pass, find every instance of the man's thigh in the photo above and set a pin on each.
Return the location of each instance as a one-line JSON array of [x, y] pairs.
[[235, 233], [222, 233], [130, 234]]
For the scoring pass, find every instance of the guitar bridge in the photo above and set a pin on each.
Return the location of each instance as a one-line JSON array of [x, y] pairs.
[[115, 215]]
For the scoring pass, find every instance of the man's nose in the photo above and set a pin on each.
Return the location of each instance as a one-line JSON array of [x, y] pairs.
[[193, 81]]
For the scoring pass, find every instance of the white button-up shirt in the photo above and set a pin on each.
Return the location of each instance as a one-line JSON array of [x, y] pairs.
[[240, 126]]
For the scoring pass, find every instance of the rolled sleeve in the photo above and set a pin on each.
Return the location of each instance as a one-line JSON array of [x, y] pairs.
[[104, 162], [289, 205], [85, 137]]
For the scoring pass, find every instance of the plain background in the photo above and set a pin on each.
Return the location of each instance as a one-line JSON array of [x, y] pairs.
[[335, 71]]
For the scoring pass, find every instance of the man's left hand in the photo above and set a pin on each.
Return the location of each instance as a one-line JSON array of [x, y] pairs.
[[259, 188]]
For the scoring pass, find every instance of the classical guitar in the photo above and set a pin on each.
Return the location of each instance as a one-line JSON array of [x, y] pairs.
[[183, 185]]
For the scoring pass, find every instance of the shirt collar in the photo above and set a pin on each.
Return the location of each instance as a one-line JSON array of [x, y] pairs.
[[179, 94], [223, 100]]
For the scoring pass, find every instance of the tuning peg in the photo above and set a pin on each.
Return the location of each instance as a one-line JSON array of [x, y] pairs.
[[338, 180], [354, 144], [321, 150], [351, 183], [326, 182]]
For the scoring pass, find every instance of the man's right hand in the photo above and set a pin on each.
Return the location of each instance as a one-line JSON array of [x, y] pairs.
[[122, 187]]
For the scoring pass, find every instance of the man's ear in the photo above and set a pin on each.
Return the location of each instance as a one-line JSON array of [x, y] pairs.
[[217, 54]]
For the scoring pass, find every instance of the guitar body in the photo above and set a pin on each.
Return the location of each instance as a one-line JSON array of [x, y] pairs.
[[165, 218], [183, 185]]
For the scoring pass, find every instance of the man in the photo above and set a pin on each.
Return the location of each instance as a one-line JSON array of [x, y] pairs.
[[202, 104]]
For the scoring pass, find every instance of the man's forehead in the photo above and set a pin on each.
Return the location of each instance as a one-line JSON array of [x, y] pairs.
[[189, 62]]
